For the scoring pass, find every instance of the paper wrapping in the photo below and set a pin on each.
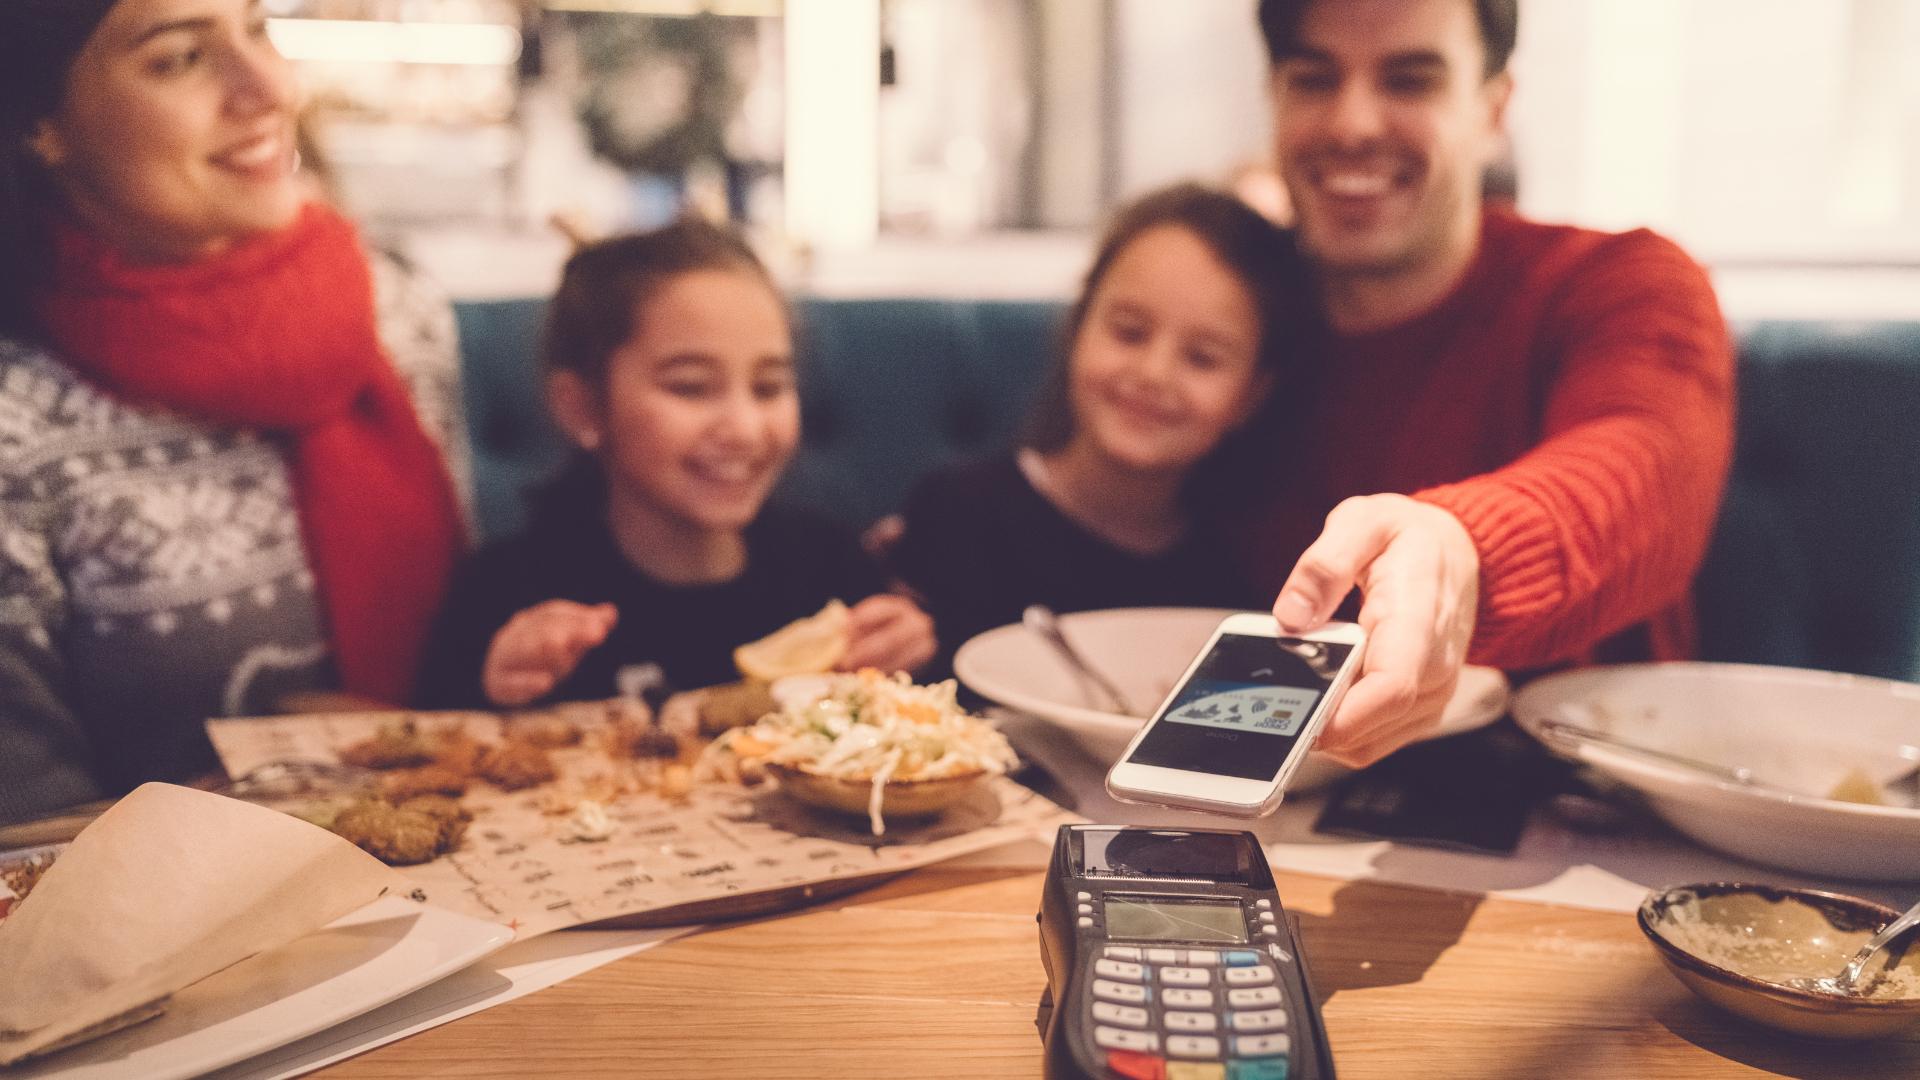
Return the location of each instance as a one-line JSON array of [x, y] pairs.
[[167, 887]]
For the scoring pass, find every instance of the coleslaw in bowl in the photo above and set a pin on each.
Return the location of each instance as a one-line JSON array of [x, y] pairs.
[[869, 740]]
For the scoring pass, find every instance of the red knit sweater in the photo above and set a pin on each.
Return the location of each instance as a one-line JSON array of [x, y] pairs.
[[1572, 404]]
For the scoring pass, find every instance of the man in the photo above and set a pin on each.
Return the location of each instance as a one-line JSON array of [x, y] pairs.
[[1550, 408]]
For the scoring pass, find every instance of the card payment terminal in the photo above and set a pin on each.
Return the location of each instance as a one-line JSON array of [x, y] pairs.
[[1169, 958]]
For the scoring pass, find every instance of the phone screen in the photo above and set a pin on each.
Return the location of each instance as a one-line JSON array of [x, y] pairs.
[[1243, 710]]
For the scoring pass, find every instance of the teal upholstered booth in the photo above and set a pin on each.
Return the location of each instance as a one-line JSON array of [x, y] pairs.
[[1816, 561], [889, 389]]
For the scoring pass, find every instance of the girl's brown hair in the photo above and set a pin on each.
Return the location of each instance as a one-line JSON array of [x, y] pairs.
[[605, 284], [602, 290]]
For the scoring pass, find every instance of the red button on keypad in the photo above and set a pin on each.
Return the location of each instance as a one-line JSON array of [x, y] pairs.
[[1135, 1066]]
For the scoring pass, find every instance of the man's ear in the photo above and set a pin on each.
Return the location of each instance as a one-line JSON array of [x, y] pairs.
[[1499, 93], [576, 408]]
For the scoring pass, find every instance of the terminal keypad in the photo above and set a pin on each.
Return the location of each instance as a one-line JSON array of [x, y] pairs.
[[1207, 1014]]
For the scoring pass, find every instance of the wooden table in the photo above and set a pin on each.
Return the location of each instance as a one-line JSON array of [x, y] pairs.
[[936, 975]]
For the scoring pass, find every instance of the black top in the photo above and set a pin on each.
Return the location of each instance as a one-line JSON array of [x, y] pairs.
[[795, 564], [980, 544]]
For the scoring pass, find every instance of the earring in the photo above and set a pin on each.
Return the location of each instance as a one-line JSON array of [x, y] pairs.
[[589, 439]]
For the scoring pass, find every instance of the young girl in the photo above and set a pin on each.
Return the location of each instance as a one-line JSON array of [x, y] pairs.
[[1116, 497], [670, 367]]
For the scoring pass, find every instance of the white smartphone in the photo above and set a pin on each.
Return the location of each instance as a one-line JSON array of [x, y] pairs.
[[1240, 721]]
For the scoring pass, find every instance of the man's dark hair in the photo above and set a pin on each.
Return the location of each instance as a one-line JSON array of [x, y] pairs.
[[1499, 28]]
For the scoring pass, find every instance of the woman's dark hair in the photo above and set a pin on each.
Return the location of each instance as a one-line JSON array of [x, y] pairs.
[[39, 40], [1261, 255], [1499, 28], [602, 290]]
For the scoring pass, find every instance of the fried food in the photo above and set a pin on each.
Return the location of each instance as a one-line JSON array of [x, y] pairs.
[[640, 740], [543, 729], [458, 751], [19, 876], [453, 817], [437, 779], [517, 765], [676, 782], [397, 745], [418, 831], [735, 704]]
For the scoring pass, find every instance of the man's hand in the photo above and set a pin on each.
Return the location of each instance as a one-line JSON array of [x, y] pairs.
[[888, 632], [1419, 579], [540, 646]]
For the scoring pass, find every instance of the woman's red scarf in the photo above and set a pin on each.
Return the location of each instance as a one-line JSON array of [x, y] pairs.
[[278, 334]]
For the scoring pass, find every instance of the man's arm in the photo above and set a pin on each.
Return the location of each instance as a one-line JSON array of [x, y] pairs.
[[1600, 525], [1605, 521]]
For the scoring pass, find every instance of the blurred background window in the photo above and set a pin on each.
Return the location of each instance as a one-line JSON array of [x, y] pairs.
[[971, 145]]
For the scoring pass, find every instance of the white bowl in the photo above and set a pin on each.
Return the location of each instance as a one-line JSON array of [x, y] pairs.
[[1144, 651], [1800, 732]]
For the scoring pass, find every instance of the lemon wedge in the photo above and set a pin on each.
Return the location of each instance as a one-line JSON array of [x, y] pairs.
[[806, 646]]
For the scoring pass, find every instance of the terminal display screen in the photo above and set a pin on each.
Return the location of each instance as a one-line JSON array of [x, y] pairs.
[[1162, 918]]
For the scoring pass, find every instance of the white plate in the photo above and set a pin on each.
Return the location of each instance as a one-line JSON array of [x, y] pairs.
[[1800, 730], [358, 962], [1144, 650]]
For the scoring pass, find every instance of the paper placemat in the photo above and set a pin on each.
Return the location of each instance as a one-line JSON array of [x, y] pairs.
[[526, 866]]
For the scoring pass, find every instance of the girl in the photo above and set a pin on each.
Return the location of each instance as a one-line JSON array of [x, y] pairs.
[[670, 366], [224, 463], [1131, 459]]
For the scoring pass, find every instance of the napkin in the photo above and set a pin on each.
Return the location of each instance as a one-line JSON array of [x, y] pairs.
[[167, 887]]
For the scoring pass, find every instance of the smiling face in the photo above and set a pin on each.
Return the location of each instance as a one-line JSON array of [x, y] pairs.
[[1384, 121], [175, 136], [699, 413], [1166, 360]]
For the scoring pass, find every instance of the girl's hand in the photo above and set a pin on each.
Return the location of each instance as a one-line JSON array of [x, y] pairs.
[[888, 632], [541, 646]]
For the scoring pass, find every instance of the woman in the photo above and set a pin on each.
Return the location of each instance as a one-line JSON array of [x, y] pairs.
[[215, 483]]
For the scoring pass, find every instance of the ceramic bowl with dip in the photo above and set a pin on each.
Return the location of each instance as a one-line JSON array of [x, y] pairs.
[[1755, 950], [1144, 651], [1828, 758]]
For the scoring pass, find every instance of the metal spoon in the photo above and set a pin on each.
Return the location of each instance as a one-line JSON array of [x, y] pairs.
[[1904, 789], [1562, 731], [1848, 981], [1040, 619]]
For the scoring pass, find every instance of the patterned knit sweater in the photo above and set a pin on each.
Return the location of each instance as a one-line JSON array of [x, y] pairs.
[[152, 572]]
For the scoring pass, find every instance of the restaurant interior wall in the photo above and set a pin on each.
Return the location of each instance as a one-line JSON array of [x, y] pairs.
[[1777, 139]]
